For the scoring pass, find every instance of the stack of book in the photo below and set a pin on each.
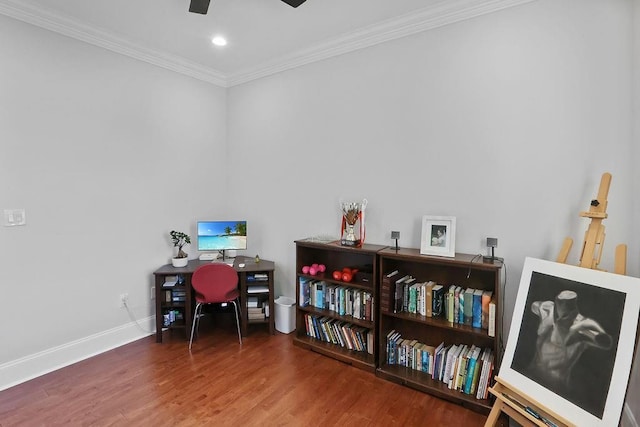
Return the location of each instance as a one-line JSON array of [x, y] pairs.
[[178, 295], [257, 310], [344, 334], [343, 300], [466, 306], [468, 369]]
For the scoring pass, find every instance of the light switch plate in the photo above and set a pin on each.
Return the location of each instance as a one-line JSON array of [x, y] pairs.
[[13, 217]]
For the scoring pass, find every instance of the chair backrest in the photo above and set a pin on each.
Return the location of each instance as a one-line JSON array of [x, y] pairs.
[[215, 282]]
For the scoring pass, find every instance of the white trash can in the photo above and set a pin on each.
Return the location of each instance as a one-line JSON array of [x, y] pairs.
[[285, 308]]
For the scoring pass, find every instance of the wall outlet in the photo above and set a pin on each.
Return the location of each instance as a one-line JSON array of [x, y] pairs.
[[13, 217], [153, 293], [124, 299]]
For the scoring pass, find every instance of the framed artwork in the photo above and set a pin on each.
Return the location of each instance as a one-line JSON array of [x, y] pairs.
[[572, 340], [438, 236]]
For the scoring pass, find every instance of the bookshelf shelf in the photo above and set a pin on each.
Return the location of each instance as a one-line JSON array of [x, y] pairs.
[[440, 323], [349, 319], [423, 382], [464, 271], [357, 359], [313, 320]]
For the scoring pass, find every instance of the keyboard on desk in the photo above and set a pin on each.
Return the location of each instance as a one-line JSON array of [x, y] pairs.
[[219, 261]]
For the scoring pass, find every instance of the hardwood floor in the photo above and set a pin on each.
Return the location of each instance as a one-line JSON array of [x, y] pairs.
[[267, 381]]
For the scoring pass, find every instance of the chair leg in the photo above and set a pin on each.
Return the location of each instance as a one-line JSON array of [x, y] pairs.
[[194, 321], [237, 311]]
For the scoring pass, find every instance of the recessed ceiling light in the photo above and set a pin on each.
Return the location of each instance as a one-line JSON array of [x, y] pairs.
[[219, 41]]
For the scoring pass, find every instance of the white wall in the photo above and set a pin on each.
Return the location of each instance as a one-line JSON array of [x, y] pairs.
[[106, 154], [506, 121]]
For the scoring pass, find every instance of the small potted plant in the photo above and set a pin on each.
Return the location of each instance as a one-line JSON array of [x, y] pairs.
[[180, 239]]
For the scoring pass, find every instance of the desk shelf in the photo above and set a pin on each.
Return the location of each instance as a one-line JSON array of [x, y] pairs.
[[169, 274]]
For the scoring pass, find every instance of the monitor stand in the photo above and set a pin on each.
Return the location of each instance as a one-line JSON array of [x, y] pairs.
[[209, 256]]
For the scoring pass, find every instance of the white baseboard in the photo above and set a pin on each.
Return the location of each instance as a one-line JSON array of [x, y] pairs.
[[32, 366], [628, 419]]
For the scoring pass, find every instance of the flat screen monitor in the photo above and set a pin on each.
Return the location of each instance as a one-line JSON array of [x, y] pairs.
[[222, 235]]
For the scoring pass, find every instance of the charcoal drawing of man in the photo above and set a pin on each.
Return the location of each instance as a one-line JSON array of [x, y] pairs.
[[568, 339], [563, 335]]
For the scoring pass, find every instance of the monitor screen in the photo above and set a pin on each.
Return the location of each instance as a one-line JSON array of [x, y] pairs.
[[222, 235]]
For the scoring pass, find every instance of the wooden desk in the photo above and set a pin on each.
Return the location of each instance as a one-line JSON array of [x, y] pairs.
[[186, 305]]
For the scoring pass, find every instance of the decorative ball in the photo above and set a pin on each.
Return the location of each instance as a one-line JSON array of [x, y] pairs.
[[322, 268], [346, 277], [312, 271], [305, 269], [337, 275], [314, 265]]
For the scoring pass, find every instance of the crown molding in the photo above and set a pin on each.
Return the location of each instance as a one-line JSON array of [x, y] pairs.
[[444, 13], [63, 25]]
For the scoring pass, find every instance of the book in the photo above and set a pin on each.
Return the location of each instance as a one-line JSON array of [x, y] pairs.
[[471, 365], [320, 294], [368, 306], [420, 306], [436, 354], [387, 290], [454, 384], [399, 294], [451, 303], [413, 298], [437, 294], [406, 286], [461, 308], [429, 298], [370, 341], [491, 322], [256, 316], [392, 345], [428, 353], [489, 379], [486, 299], [476, 372], [482, 383], [452, 355], [456, 304], [169, 283], [468, 306], [464, 366], [476, 308], [304, 298]]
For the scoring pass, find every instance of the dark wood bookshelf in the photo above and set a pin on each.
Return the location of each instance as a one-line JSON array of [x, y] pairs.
[[335, 257], [464, 270]]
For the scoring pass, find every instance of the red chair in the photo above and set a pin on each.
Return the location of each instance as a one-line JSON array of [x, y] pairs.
[[213, 284]]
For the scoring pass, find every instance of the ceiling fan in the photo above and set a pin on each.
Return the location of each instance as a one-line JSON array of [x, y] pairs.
[[201, 6]]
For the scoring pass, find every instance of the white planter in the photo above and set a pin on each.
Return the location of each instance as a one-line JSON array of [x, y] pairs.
[[179, 262]]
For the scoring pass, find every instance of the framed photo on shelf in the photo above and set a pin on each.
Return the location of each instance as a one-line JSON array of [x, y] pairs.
[[572, 340], [438, 236]]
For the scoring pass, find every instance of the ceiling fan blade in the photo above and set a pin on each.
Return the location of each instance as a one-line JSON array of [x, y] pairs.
[[199, 6], [294, 3]]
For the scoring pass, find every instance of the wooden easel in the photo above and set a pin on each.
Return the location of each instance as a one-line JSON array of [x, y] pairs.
[[520, 407], [509, 399], [594, 236]]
